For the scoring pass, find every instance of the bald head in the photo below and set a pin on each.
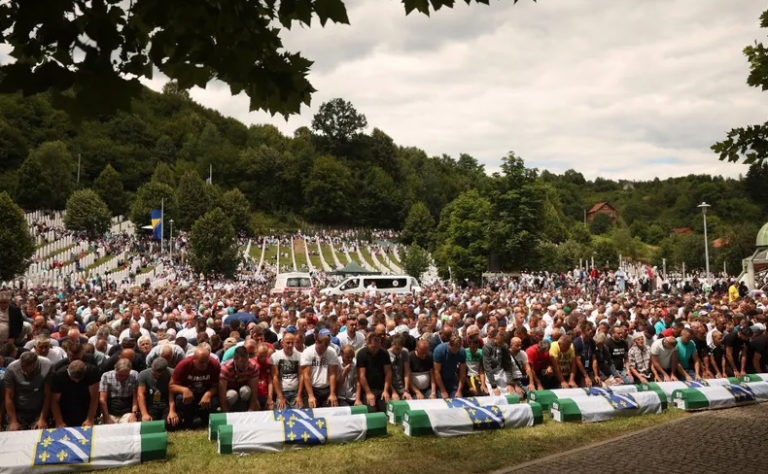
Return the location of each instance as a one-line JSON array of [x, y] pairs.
[[200, 358]]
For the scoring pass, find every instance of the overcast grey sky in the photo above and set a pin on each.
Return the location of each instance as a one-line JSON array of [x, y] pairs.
[[619, 89]]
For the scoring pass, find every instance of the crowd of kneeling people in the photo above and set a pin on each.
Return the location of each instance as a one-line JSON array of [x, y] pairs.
[[182, 362]]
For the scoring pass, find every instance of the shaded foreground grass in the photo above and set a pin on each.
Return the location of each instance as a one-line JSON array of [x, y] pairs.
[[487, 451]]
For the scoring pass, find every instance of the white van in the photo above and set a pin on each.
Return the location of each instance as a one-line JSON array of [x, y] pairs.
[[396, 284], [293, 282]]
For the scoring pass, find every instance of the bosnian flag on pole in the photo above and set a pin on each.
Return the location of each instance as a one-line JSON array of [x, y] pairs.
[[605, 407], [299, 432], [258, 417], [397, 408], [467, 420], [82, 448], [547, 397], [156, 215], [720, 396]]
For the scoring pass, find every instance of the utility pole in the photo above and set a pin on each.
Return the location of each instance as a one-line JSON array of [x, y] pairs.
[[79, 157], [704, 207]]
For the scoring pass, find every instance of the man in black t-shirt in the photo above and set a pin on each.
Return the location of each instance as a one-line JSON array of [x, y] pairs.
[[735, 344], [75, 391], [756, 350], [154, 402], [422, 369], [617, 345], [374, 373]]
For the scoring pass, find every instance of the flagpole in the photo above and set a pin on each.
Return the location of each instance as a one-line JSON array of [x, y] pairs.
[[162, 222]]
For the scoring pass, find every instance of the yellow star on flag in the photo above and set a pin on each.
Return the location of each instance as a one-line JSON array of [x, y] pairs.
[[292, 436], [291, 423], [305, 436], [320, 423], [62, 455], [47, 441], [44, 456]]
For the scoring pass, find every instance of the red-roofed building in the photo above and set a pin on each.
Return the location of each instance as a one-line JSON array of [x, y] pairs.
[[602, 208], [682, 230]]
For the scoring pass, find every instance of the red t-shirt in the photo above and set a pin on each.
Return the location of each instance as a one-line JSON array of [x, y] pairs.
[[187, 375], [537, 360], [264, 374], [237, 378]]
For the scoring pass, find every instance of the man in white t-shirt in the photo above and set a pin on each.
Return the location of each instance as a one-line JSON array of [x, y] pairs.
[[285, 379], [319, 368], [664, 359], [352, 337]]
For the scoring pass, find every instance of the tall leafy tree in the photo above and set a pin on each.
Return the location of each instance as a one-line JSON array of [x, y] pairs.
[[87, 212], [419, 226], [192, 200], [416, 261], [46, 178], [338, 120], [517, 200], [329, 191], [163, 174], [236, 206], [109, 187], [213, 245], [463, 236], [150, 196], [600, 224], [16, 244]]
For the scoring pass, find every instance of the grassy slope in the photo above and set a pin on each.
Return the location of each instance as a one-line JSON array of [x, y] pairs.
[[301, 257], [486, 451]]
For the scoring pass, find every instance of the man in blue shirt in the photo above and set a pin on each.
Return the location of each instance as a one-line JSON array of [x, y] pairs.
[[450, 367], [687, 357]]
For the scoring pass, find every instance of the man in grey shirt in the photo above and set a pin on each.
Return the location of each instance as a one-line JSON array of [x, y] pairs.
[[28, 392]]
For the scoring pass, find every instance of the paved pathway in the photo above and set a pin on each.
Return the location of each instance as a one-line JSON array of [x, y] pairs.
[[731, 440]]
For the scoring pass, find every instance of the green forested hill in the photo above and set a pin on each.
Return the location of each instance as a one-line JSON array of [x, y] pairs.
[[337, 175]]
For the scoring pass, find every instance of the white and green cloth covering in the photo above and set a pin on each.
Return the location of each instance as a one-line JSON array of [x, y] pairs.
[[299, 432], [720, 396], [755, 378], [397, 408], [605, 407], [669, 387], [256, 417], [467, 420], [547, 397], [82, 448]]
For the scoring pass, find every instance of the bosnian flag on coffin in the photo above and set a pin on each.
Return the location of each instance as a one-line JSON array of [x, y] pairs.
[[256, 417], [720, 396], [605, 407], [396, 408], [468, 420], [547, 397], [755, 378], [81, 448], [299, 432]]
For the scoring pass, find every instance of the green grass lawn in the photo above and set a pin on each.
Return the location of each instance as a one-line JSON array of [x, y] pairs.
[[255, 251], [315, 259], [99, 261], [327, 254], [394, 258], [270, 254], [341, 255], [298, 251], [192, 452], [366, 256], [60, 251]]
